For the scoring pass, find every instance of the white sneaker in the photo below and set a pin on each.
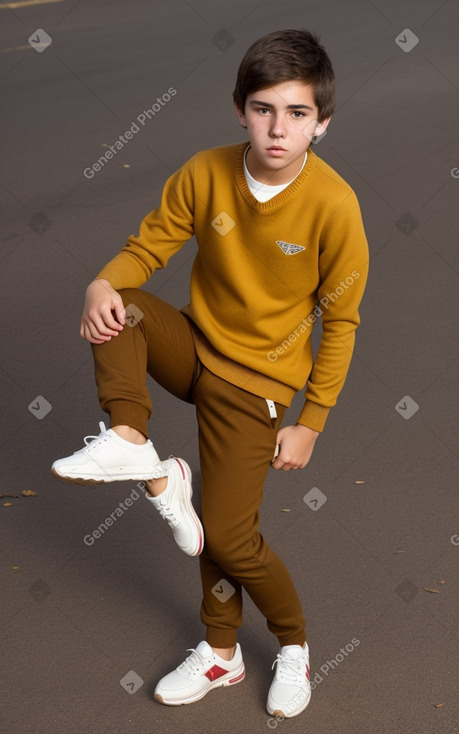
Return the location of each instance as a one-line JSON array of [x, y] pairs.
[[174, 505], [198, 674], [290, 690], [108, 458]]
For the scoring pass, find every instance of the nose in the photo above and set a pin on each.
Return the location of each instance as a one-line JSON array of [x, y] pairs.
[[277, 127]]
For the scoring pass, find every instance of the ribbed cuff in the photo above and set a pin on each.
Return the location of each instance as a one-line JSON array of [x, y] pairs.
[[216, 637], [313, 416], [124, 413], [117, 278], [298, 639]]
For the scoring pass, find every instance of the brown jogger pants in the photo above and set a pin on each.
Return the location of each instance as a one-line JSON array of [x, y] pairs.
[[237, 439]]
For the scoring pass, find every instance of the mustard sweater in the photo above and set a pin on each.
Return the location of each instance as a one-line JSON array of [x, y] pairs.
[[263, 274]]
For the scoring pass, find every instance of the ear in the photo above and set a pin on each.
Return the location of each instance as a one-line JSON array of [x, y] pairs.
[[240, 116], [321, 127], [315, 129]]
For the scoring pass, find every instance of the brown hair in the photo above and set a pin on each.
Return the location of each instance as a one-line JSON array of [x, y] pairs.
[[287, 56]]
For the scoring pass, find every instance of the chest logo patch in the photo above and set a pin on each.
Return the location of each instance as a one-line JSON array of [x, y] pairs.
[[288, 248]]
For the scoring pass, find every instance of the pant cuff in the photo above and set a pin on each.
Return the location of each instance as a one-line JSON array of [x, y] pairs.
[[217, 637], [299, 638], [124, 413]]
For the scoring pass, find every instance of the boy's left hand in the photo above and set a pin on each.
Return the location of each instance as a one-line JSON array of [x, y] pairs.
[[296, 444]]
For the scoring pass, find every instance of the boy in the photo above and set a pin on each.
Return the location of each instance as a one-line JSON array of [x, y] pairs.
[[281, 242]]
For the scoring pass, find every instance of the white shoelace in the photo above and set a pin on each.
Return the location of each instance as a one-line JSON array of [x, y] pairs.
[[168, 515], [194, 663], [290, 670], [92, 443], [165, 509]]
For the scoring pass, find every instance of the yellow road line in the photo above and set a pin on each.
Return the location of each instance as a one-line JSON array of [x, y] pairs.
[[15, 48], [25, 3]]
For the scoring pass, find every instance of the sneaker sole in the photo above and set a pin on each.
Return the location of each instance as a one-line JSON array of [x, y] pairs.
[[132, 476], [186, 475], [236, 676], [279, 712]]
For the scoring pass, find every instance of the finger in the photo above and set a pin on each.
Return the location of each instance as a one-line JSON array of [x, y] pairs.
[[86, 334], [110, 325], [94, 333], [120, 311], [100, 327], [88, 338], [285, 465]]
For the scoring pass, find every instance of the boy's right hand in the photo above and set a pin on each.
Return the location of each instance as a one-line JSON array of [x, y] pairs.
[[103, 314]]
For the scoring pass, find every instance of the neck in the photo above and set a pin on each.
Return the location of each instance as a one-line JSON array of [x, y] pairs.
[[272, 177]]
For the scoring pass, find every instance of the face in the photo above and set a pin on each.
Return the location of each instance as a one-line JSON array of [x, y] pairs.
[[281, 122]]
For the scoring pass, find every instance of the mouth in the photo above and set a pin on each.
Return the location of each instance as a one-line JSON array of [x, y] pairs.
[[276, 147]]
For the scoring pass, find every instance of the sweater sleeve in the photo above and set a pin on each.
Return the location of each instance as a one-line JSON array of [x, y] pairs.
[[343, 270], [162, 233]]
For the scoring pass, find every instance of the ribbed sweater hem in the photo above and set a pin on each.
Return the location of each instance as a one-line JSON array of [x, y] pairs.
[[312, 415], [239, 375]]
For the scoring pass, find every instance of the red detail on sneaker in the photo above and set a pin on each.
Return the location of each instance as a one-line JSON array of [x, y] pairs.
[[215, 672], [201, 544], [181, 468], [239, 677], [307, 672]]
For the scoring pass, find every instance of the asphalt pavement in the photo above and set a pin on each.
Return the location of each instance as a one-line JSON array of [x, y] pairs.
[[90, 621]]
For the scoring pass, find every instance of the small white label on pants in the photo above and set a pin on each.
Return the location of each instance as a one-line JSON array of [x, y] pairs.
[[272, 409]]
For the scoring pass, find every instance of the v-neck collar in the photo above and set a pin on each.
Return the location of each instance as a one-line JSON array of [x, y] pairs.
[[264, 207]]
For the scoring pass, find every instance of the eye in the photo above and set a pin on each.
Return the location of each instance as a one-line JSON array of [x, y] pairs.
[[263, 110], [298, 115]]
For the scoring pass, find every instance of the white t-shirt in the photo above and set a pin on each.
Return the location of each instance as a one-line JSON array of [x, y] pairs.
[[265, 192]]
